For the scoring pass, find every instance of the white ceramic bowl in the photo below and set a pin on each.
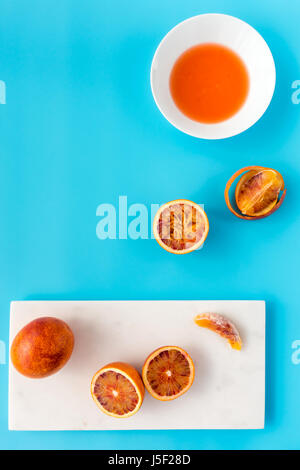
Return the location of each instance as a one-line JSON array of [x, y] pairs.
[[241, 38]]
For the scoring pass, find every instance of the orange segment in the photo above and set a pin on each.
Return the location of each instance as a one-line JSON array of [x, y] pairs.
[[222, 326], [168, 372], [118, 390], [180, 226], [257, 192]]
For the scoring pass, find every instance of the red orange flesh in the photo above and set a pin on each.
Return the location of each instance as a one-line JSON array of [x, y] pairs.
[[168, 373], [257, 192], [222, 326], [118, 390]]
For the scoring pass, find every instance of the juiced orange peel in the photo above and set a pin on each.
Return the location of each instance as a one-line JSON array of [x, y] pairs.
[[221, 325], [257, 193], [180, 226]]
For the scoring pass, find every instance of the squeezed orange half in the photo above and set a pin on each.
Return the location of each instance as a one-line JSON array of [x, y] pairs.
[[180, 226]]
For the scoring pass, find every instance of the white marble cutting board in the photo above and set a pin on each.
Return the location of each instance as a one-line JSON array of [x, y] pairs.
[[229, 387]]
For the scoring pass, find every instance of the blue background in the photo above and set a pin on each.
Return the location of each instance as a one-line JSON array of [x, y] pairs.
[[80, 128]]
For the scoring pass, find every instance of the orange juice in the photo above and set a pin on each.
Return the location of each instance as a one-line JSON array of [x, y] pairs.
[[209, 83]]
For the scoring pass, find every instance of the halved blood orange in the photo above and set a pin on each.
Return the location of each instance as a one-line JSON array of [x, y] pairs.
[[168, 373], [257, 193], [118, 390], [222, 326], [180, 226]]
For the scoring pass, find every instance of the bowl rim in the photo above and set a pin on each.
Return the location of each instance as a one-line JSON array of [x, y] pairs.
[[172, 121]]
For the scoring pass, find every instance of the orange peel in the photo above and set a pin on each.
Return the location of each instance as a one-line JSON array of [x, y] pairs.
[[222, 326], [257, 193]]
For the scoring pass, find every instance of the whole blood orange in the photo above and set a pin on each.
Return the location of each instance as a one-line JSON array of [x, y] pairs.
[[42, 347], [222, 326], [168, 372], [180, 226], [118, 390]]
